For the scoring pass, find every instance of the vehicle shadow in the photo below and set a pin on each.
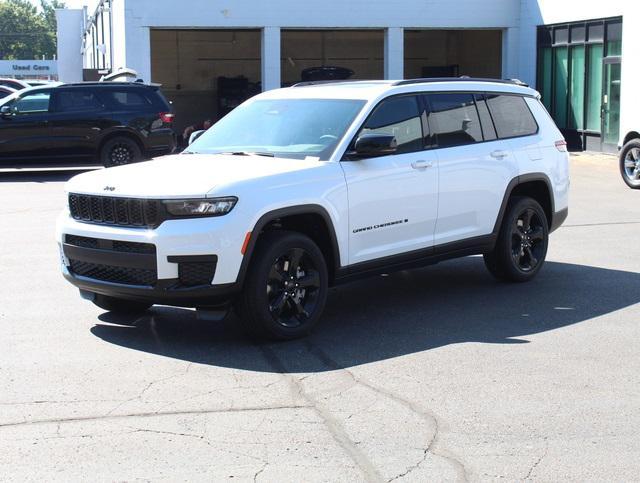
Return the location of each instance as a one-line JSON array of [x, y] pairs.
[[391, 316], [39, 176]]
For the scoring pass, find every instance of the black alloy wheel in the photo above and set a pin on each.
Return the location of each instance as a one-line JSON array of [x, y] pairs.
[[285, 288], [521, 247], [120, 151], [527, 240], [293, 286], [121, 154]]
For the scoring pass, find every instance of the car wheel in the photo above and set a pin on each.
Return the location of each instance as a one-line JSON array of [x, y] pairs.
[[522, 243], [120, 151], [630, 163], [285, 288], [120, 306]]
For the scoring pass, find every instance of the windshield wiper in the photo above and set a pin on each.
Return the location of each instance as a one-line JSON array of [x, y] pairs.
[[248, 153]]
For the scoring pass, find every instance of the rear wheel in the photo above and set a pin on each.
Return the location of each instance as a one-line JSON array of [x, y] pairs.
[[120, 306], [120, 151], [630, 163], [286, 287], [522, 243]]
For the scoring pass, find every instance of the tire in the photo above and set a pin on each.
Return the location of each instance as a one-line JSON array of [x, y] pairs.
[[630, 163], [266, 309], [522, 243], [120, 151], [120, 306]]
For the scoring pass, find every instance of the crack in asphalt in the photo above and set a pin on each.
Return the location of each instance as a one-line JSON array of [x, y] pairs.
[[333, 425], [431, 447], [537, 462], [152, 414]]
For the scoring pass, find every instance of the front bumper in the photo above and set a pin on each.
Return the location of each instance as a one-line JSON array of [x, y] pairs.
[[151, 265], [165, 292]]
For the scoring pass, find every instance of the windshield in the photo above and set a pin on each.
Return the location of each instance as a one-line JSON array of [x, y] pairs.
[[287, 128]]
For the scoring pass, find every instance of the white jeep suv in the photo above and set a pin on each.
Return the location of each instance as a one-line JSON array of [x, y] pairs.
[[302, 188]]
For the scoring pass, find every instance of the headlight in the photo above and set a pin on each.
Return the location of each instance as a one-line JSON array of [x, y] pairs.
[[204, 207]]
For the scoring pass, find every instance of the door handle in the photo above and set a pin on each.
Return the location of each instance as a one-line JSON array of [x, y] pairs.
[[499, 154], [421, 164]]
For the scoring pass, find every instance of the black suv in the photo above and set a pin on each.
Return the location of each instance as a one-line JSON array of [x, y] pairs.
[[110, 122]]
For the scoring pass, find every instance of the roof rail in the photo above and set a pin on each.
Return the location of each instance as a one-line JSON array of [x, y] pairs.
[[320, 82], [425, 80]]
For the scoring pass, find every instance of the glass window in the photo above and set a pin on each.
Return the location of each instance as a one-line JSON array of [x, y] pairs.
[[576, 104], [488, 130], [594, 86], [614, 38], [544, 76], [560, 35], [561, 64], [287, 128], [76, 101], [595, 32], [454, 119], [400, 117], [37, 102], [124, 99], [511, 115]]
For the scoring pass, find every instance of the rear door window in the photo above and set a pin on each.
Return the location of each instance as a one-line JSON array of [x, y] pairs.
[[79, 100], [488, 129], [454, 119], [511, 115], [399, 117]]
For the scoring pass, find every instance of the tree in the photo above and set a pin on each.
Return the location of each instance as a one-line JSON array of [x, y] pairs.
[[27, 32]]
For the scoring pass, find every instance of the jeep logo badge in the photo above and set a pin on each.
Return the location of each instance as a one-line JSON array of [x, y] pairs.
[[109, 188]]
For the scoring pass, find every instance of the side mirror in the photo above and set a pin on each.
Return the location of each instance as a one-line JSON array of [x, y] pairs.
[[373, 145], [195, 135], [6, 111]]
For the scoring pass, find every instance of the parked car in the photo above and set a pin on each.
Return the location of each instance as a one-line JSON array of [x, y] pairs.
[[629, 160], [303, 188], [14, 83], [6, 91], [114, 123]]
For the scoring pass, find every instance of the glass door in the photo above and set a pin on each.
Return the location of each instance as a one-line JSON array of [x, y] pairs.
[[611, 104]]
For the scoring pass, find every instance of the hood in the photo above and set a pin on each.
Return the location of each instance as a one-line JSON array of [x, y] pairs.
[[182, 176]]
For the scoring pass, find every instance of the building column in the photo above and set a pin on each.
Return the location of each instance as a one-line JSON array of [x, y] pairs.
[[271, 58], [510, 47], [70, 29], [394, 53]]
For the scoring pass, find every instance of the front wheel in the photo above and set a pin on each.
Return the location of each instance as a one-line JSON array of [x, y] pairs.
[[522, 243], [630, 163], [286, 287]]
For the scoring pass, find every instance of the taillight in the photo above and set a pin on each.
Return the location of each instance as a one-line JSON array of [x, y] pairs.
[[167, 117], [561, 146]]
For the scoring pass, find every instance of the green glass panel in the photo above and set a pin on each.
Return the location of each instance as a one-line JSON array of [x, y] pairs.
[[594, 86], [614, 47], [611, 124], [576, 105], [544, 76], [561, 65]]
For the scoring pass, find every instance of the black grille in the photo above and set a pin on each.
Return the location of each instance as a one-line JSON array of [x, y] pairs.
[[114, 245], [108, 273], [115, 211], [196, 273]]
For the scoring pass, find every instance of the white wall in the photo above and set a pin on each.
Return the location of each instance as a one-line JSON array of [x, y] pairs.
[[137, 16], [70, 30]]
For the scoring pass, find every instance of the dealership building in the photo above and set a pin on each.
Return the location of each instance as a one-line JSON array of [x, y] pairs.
[[209, 56]]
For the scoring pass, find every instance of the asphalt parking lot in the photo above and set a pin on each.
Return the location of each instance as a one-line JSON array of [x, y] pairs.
[[438, 374]]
